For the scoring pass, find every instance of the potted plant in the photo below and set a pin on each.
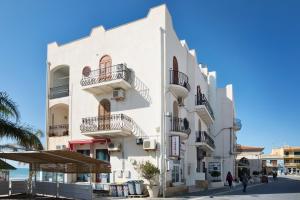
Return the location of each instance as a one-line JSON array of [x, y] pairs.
[[216, 182], [150, 172], [256, 178]]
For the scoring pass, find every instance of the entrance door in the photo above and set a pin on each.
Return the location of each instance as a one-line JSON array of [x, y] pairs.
[[105, 68], [104, 115], [177, 172]]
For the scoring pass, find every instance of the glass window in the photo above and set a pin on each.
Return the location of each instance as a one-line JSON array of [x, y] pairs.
[[83, 177], [102, 154]]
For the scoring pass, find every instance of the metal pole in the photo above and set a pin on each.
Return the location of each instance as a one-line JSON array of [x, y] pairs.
[[57, 184]]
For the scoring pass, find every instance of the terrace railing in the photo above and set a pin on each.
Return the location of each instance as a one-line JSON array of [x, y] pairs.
[[180, 125], [202, 136], [59, 130], [59, 91], [106, 122], [200, 99], [119, 71], [179, 78]]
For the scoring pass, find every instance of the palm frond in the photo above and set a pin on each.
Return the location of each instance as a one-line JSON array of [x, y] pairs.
[[8, 107], [24, 136]]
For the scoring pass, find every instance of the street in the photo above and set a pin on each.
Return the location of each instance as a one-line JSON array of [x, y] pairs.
[[286, 187]]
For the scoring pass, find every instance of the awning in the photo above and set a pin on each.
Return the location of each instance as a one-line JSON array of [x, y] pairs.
[[59, 161], [88, 141], [4, 165]]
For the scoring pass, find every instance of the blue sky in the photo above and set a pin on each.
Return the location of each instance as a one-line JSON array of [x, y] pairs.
[[253, 44]]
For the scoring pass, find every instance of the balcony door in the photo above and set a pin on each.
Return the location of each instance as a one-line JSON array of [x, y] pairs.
[[175, 120], [105, 68], [104, 115], [198, 94], [175, 71]]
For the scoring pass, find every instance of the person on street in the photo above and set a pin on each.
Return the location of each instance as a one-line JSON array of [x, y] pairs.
[[274, 176], [245, 181], [229, 179]]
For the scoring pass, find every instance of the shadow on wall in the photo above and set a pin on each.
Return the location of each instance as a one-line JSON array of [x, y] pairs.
[[141, 88], [137, 97]]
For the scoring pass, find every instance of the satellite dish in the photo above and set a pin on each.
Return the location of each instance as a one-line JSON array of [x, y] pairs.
[[86, 71]]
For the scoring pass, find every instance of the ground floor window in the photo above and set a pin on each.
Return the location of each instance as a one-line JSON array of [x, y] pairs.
[[83, 177], [102, 154], [51, 177]]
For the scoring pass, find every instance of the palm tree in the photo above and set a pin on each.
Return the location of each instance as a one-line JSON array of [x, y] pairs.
[[26, 138]]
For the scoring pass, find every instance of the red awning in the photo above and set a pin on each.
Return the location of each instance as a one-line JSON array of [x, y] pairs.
[[88, 141]]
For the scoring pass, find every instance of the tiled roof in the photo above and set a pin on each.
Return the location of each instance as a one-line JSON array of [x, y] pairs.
[[242, 148]]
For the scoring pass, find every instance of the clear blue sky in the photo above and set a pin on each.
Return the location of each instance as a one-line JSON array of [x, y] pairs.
[[253, 44]]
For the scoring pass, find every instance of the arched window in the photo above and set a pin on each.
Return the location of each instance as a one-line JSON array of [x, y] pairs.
[[105, 67], [175, 71], [104, 114]]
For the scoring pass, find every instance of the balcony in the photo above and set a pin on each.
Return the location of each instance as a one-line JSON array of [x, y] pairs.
[[59, 91], [59, 130], [114, 125], [204, 109], [205, 141], [179, 83], [180, 127], [106, 79]]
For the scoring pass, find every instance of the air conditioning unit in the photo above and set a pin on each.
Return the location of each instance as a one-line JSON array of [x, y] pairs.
[[118, 94], [114, 147], [61, 147], [180, 101], [149, 144]]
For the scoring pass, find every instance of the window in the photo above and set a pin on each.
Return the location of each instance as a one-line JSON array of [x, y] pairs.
[[297, 153], [102, 154], [83, 177]]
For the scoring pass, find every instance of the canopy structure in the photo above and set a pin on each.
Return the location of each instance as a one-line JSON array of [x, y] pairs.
[[59, 161], [5, 166]]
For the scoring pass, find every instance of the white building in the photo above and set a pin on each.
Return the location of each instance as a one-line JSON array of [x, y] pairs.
[[115, 88]]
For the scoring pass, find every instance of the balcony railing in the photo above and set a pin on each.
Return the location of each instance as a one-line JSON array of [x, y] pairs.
[[59, 130], [180, 125], [115, 72], [179, 78], [202, 136], [59, 91], [106, 123], [200, 99]]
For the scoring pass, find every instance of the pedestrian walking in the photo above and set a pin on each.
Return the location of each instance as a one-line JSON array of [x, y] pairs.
[[229, 179], [245, 181], [274, 176]]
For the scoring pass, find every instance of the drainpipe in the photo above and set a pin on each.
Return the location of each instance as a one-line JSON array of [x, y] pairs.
[[163, 175]]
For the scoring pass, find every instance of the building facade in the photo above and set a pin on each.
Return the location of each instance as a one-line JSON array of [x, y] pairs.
[[248, 159], [137, 93], [285, 159]]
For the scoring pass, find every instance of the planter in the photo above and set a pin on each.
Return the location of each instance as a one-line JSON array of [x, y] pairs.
[[153, 191], [216, 184]]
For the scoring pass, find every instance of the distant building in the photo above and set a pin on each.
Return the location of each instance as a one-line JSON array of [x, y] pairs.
[[248, 159], [282, 159]]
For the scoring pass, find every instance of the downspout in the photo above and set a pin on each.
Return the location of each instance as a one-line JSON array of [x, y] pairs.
[[163, 113], [47, 104]]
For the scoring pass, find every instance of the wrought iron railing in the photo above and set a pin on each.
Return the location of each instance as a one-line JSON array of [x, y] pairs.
[[119, 71], [180, 125], [200, 99], [202, 136], [59, 130], [179, 78], [106, 122], [59, 91]]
